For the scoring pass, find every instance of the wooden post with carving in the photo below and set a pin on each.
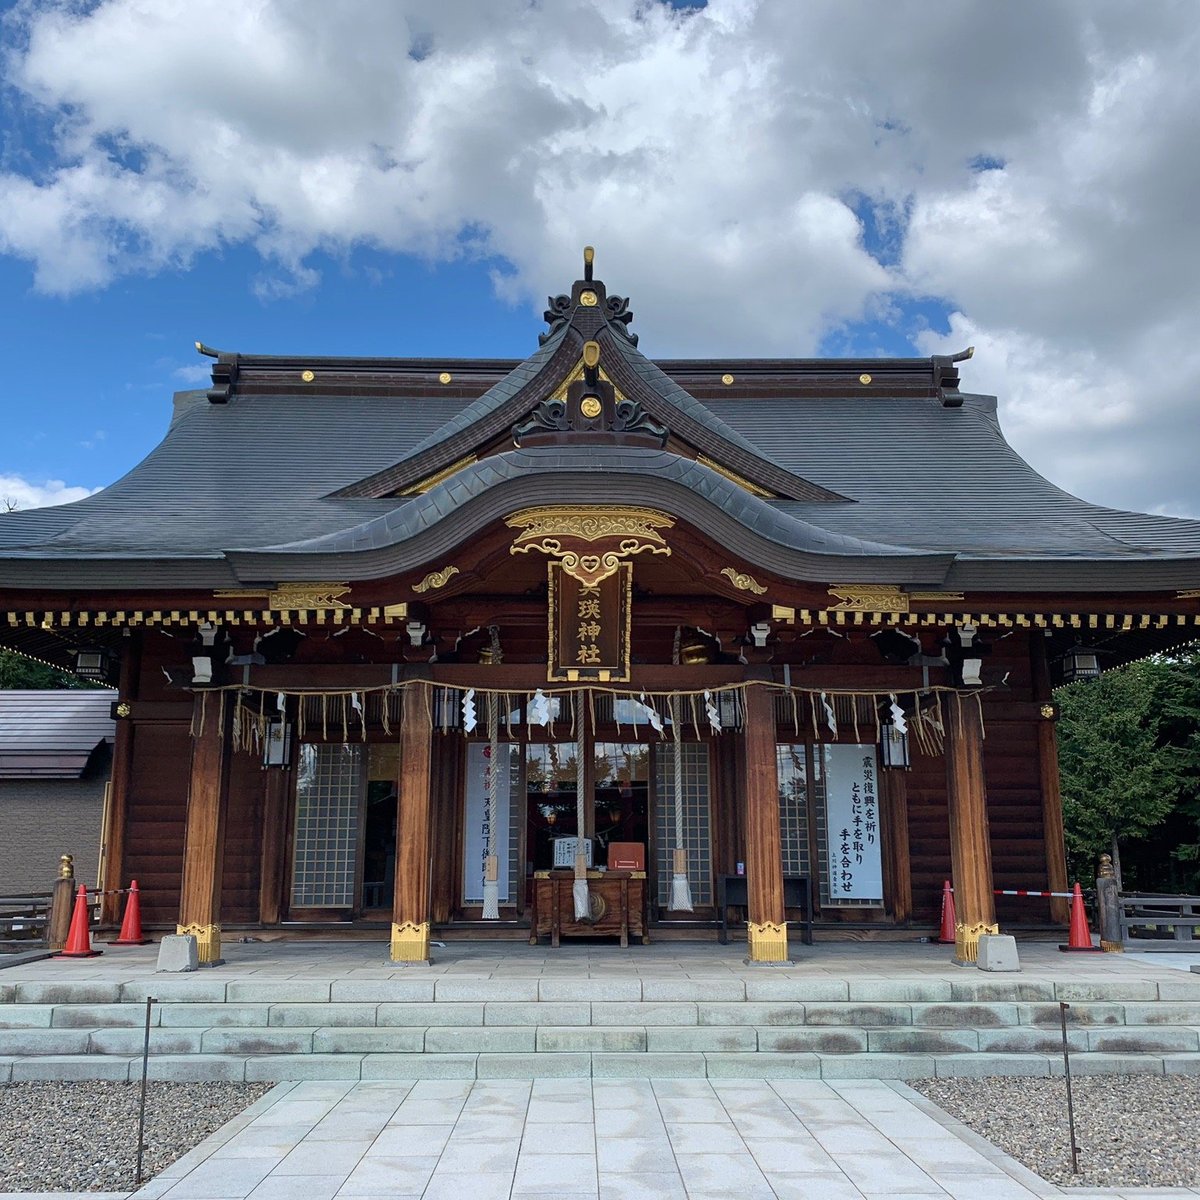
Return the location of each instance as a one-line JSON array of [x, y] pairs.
[[766, 928], [204, 834], [970, 842], [410, 910]]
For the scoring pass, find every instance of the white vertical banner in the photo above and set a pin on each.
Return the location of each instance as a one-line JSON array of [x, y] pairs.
[[852, 835], [475, 843]]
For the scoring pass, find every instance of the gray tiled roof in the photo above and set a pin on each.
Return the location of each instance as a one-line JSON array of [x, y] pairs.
[[52, 734]]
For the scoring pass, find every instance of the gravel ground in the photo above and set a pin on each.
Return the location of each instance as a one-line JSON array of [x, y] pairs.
[[1132, 1130], [83, 1136]]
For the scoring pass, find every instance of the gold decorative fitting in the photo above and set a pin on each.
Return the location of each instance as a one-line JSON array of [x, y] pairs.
[[1105, 870], [588, 298], [123, 709], [853, 597], [1188, 594], [590, 407], [935, 597], [767, 942], [410, 941], [576, 375], [1048, 711], [783, 612], [734, 477], [395, 611], [445, 377], [66, 866], [431, 481], [864, 379], [727, 379], [435, 580], [591, 354], [208, 940], [299, 596], [966, 940], [307, 376], [742, 581]]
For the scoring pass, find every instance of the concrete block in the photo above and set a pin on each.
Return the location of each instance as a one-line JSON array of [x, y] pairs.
[[494, 1039], [516, 1012], [694, 989], [1181, 1064], [274, 1067], [381, 991], [27, 1016], [8, 993], [596, 1038], [418, 1066], [1042, 1040], [1179, 986], [419, 1014], [277, 991], [798, 991], [750, 1013], [396, 1040], [1140, 1039], [620, 1012], [588, 989], [68, 992], [876, 1066], [762, 1066], [980, 1066], [862, 1015], [966, 1015], [813, 1041], [205, 1016], [1107, 989], [648, 1066], [998, 953], [702, 1038], [990, 991], [1079, 1014], [17, 1042], [893, 991], [183, 989], [258, 1041], [446, 988], [194, 1068], [922, 1041], [104, 1016], [1163, 1012], [1117, 1064], [131, 1041], [346, 1015], [534, 1066], [70, 1066], [6, 1065], [178, 952]]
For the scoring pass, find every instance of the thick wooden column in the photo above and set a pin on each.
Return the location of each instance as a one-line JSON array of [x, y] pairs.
[[410, 909], [115, 816], [766, 921], [204, 834], [970, 843], [1052, 816]]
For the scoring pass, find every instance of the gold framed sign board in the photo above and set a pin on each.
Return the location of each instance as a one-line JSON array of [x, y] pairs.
[[589, 625]]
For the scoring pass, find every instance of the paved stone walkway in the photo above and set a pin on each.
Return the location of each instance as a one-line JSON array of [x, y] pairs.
[[602, 1140]]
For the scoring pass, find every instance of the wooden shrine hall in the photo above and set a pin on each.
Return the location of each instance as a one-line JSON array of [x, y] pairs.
[[587, 645]]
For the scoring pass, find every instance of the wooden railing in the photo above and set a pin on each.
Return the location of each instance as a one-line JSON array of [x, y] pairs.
[[1154, 922], [24, 922]]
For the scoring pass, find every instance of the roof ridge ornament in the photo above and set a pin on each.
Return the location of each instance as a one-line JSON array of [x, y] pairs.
[[588, 307]]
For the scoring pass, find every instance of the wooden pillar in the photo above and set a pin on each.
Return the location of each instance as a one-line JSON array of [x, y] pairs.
[[970, 844], [204, 834], [410, 909], [766, 921], [112, 836], [1052, 816], [277, 792], [899, 861]]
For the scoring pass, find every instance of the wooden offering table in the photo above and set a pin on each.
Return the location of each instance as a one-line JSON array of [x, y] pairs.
[[618, 906]]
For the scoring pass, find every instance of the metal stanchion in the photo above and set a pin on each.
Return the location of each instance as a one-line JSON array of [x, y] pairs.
[[141, 1146], [1062, 1014]]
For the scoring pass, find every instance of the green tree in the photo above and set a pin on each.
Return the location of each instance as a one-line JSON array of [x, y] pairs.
[[17, 671]]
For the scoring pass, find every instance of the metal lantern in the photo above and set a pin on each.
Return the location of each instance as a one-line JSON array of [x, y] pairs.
[[447, 709], [893, 747], [277, 745], [94, 665], [1080, 664], [729, 708]]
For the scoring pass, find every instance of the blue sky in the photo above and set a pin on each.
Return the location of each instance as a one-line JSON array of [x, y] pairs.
[[413, 180]]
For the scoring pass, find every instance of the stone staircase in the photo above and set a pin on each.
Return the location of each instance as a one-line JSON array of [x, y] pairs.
[[768, 1026]]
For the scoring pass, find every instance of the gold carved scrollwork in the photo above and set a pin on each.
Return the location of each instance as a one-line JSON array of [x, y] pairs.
[[966, 939], [742, 581], [410, 941], [208, 940], [852, 597], [435, 580], [767, 942]]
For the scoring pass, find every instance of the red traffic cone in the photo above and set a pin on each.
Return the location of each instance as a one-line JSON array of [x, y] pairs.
[[79, 939], [131, 924], [946, 934], [1080, 936]]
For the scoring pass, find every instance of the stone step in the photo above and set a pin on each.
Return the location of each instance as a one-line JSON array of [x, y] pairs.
[[601, 1064]]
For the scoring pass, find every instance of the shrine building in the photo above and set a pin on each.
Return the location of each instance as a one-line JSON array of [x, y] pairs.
[[587, 645]]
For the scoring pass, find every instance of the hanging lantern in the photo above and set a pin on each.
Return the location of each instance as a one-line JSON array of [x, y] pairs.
[[893, 747], [94, 665], [277, 744], [729, 706], [1080, 664], [447, 709]]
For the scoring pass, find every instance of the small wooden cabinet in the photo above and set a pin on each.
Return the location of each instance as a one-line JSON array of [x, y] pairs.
[[618, 906]]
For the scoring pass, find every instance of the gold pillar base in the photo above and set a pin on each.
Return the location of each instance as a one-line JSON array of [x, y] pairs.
[[768, 942], [410, 942], [208, 941], [1112, 947], [966, 940]]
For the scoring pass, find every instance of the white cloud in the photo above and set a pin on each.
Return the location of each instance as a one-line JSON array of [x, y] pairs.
[[711, 157], [195, 374], [19, 493]]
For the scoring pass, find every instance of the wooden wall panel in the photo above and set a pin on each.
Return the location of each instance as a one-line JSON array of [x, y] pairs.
[[243, 840]]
